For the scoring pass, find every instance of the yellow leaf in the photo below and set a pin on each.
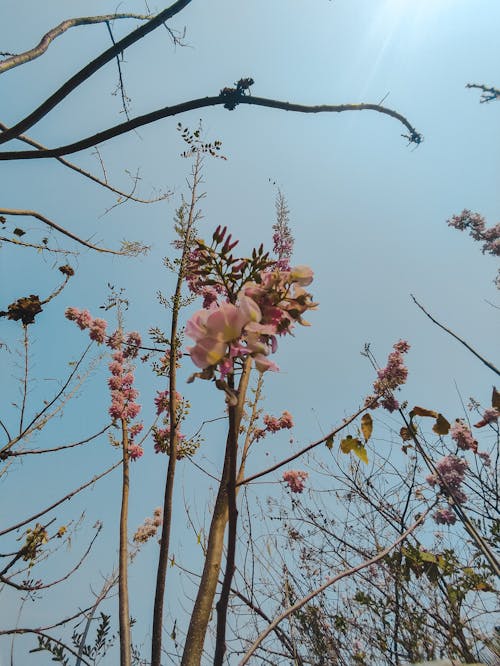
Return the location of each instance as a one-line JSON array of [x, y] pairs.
[[441, 427], [347, 444], [360, 451], [353, 444], [495, 398], [329, 442], [366, 426], [422, 411]]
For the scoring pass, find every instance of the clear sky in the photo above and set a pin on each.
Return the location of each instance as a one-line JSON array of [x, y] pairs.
[[368, 214]]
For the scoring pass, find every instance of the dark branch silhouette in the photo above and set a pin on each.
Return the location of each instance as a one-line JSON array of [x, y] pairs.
[[57, 31], [89, 69], [413, 136]]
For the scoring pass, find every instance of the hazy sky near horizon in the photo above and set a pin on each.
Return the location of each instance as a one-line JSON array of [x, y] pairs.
[[368, 213]]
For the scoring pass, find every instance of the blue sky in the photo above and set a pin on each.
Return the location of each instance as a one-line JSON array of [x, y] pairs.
[[368, 212]]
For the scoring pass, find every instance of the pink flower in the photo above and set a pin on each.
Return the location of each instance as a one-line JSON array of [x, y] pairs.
[[301, 275], [485, 457], [295, 480], [132, 343], [490, 415], [98, 330], [83, 318], [392, 376], [463, 437], [444, 517], [450, 473], [135, 451]]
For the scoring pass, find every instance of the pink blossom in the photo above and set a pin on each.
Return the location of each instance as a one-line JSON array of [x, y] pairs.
[[135, 451], [490, 415], [444, 517], [295, 480], [463, 437], [149, 527], [135, 429], [450, 473], [132, 343], [115, 340], [83, 318], [162, 402], [392, 376], [115, 382], [131, 410], [98, 330], [116, 368], [485, 457]]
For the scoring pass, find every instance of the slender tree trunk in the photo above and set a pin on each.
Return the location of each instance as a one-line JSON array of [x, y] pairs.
[[123, 612], [202, 610]]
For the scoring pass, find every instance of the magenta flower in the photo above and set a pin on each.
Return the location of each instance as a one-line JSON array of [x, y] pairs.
[[450, 473], [391, 377], [135, 451]]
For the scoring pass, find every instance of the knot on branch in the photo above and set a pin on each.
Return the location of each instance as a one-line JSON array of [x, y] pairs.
[[234, 95]]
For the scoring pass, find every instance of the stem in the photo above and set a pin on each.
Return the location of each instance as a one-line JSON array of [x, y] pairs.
[[25, 377], [123, 607], [156, 641], [200, 616], [232, 448]]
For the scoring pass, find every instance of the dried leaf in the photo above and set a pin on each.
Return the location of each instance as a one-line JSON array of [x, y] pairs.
[[495, 398], [441, 427], [366, 426], [422, 411], [329, 442], [18, 232]]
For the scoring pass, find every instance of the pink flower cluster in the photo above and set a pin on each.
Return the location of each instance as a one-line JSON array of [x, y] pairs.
[[149, 527], [449, 477], [476, 225], [444, 516], [161, 438], [274, 424], [123, 394], [295, 480], [390, 378], [463, 437], [249, 327]]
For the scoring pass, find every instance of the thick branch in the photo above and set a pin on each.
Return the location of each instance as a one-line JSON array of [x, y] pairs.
[[92, 67], [202, 102], [43, 45]]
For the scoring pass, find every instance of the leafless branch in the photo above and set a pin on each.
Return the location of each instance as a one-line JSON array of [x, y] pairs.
[[86, 174], [15, 454], [62, 500], [92, 67], [413, 136], [349, 572], [48, 38], [488, 92], [57, 227], [454, 335]]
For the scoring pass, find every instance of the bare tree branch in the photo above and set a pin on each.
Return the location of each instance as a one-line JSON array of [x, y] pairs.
[[62, 230], [48, 38], [454, 335], [223, 99], [63, 499], [92, 67], [104, 183], [488, 92], [330, 581]]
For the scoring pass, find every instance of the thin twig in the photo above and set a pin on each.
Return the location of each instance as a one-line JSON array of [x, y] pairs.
[[330, 581], [454, 335], [57, 227], [104, 183], [67, 497]]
